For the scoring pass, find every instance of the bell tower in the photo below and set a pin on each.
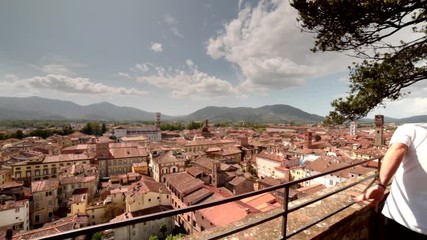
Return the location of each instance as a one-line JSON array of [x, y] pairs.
[[379, 130]]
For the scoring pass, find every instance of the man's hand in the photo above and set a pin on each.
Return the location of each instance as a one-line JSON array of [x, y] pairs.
[[374, 195]]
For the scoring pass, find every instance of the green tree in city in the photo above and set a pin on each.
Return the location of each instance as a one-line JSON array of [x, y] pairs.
[[194, 125], [19, 134], [103, 128], [365, 27], [67, 129], [92, 128]]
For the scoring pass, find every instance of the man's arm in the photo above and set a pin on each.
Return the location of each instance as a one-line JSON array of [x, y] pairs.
[[391, 162], [389, 165]]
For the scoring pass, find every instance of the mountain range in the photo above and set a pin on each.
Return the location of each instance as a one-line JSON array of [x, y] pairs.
[[37, 108]]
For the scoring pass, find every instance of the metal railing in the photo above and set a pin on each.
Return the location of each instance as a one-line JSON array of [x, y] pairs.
[[284, 213]]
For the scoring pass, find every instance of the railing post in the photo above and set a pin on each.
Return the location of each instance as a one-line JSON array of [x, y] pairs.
[[285, 211]]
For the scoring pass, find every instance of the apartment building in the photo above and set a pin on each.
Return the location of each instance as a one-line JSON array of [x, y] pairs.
[[203, 145], [47, 166], [15, 215], [273, 164], [45, 200], [72, 184], [167, 163], [186, 191], [231, 154], [5, 176], [116, 158]]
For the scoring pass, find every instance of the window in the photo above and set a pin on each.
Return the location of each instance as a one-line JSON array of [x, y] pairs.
[[16, 209], [37, 218], [50, 214]]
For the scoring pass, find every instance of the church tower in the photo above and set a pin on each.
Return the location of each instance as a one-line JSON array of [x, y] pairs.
[[353, 128], [379, 130]]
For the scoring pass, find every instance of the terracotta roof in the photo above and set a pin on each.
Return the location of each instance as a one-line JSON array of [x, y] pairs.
[[194, 171], [184, 182], [263, 202], [168, 157], [223, 214], [62, 225], [128, 152], [77, 179], [143, 212], [66, 157], [44, 185], [204, 162], [13, 204], [237, 181], [197, 196]]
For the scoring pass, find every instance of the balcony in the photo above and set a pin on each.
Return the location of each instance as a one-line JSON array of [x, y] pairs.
[[330, 214]]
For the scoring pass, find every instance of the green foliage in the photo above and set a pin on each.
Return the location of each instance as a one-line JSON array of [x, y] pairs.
[[153, 237], [93, 128], [174, 237], [103, 128], [172, 127], [97, 236], [252, 170], [364, 27], [19, 134], [194, 125]]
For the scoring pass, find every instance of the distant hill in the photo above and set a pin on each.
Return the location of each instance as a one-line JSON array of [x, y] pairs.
[[37, 108], [269, 113]]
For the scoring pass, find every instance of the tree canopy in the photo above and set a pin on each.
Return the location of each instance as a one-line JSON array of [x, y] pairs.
[[367, 28]]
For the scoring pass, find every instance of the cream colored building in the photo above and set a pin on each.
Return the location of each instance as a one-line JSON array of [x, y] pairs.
[[146, 194], [167, 163], [95, 213], [203, 145], [141, 168], [82, 184], [47, 167], [5, 176], [118, 158], [15, 215], [45, 200], [79, 203]]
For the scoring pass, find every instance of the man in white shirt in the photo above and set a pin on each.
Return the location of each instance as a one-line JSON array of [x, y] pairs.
[[405, 208]]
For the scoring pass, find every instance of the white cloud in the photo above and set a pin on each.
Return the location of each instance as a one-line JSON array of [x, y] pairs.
[[67, 84], [59, 69], [156, 47], [122, 74], [11, 77], [170, 20], [143, 67], [269, 49], [189, 82], [176, 32]]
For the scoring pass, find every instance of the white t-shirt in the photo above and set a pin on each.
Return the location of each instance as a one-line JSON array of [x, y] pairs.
[[407, 202]]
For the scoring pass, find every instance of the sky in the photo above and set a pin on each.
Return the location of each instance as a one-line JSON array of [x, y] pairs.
[[173, 57]]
